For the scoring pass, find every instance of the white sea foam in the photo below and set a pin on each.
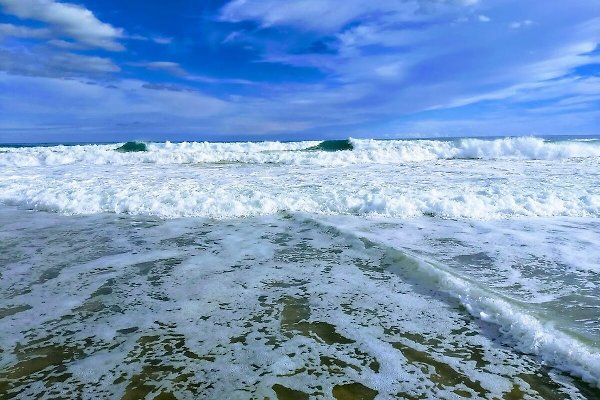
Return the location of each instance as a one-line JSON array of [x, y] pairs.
[[520, 321], [531, 335], [121, 308], [447, 188], [298, 153], [184, 199]]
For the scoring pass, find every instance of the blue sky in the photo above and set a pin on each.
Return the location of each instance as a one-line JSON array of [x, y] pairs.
[[109, 70]]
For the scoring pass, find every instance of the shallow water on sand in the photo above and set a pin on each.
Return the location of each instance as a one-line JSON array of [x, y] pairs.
[[278, 307]]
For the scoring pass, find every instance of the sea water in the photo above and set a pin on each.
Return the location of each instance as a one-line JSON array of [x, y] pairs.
[[356, 269]]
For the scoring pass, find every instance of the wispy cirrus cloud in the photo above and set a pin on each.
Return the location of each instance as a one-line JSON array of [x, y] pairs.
[[412, 56], [329, 16], [162, 39], [167, 66], [177, 70]]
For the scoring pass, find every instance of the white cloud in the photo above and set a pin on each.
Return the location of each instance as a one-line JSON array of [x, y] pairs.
[[563, 59], [520, 24], [175, 69], [232, 37], [330, 15], [220, 81], [389, 70], [65, 44], [43, 62], [40, 103], [23, 31], [428, 64], [162, 40], [67, 20], [76, 62], [372, 34], [167, 66]]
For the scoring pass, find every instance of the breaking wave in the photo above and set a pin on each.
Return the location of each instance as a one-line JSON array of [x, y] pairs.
[[132, 147], [185, 198], [324, 153], [333, 145]]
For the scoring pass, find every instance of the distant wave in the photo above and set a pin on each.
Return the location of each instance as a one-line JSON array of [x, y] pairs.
[[333, 145], [324, 153], [132, 147]]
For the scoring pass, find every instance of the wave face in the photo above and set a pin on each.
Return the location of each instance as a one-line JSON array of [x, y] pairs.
[[445, 179], [132, 147], [333, 145], [325, 153]]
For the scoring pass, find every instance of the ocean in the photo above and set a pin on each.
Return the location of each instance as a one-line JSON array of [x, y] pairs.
[[352, 269]]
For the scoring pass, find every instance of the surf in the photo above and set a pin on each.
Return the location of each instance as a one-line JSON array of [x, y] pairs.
[[527, 329], [324, 153]]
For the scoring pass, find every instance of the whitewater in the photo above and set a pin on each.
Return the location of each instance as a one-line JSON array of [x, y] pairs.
[[376, 268], [469, 178]]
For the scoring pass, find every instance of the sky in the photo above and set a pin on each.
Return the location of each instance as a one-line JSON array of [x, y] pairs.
[[116, 70]]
